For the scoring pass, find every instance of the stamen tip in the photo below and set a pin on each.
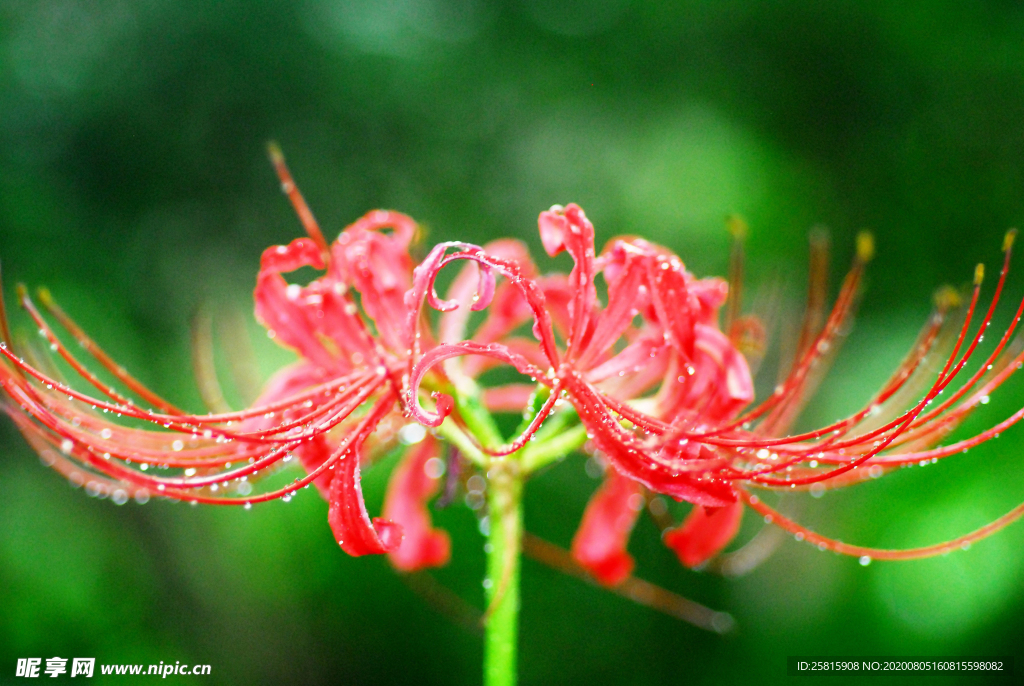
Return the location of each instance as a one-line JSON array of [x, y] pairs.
[[947, 298], [44, 295], [865, 246], [979, 274], [1008, 239], [274, 150], [737, 226], [21, 291]]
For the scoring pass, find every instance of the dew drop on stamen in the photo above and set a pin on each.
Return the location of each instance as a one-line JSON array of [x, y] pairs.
[[177, 445], [66, 446], [864, 560]]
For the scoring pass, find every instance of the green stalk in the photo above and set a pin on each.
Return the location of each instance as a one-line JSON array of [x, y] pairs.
[[504, 541], [505, 476]]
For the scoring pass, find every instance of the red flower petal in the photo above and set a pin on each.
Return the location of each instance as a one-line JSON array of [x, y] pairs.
[[278, 308], [348, 518], [716, 384], [379, 267], [705, 533], [346, 514], [623, 296], [569, 229], [311, 318], [447, 351], [409, 490], [600, 542]]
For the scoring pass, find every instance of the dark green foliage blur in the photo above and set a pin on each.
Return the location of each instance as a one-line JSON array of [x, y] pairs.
[[134, 184]]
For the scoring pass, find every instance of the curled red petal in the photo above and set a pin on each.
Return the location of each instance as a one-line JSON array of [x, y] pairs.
[[617, 316], [378, 265], [347, 515], [278, 305], [553, 228], [705, 533], [422, 289], [600, 543], [377, 220], [569, 229], [675, 307], [490, 265], [447, 351], [711, 293], [348, 518], [409, 490], [302, 252], [716, 382]]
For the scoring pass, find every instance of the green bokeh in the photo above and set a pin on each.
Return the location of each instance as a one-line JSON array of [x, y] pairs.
[[134, 183]]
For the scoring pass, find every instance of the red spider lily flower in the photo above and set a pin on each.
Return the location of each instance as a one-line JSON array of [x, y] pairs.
[[341, 401], [661, 391]]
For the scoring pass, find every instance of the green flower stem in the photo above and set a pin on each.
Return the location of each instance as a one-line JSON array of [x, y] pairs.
[[478, 420], [505, 476], [542, 453], [504, 542], [454, 435]]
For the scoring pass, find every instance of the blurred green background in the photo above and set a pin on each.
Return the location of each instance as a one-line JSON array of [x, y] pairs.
[[134, 183]]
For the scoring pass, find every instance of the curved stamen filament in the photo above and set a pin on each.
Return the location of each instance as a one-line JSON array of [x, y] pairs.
[[827, 543], [97, 352]]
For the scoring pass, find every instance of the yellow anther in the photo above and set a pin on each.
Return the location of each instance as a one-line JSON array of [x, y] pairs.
[[1008, 239], [44, 296], [274, 150], [979, 274], [865, 246], [737, 226], [947, 298]]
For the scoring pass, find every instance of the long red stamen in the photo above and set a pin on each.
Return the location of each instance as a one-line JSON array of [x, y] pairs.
[[826, 543], [309, 222], [97, 352]]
